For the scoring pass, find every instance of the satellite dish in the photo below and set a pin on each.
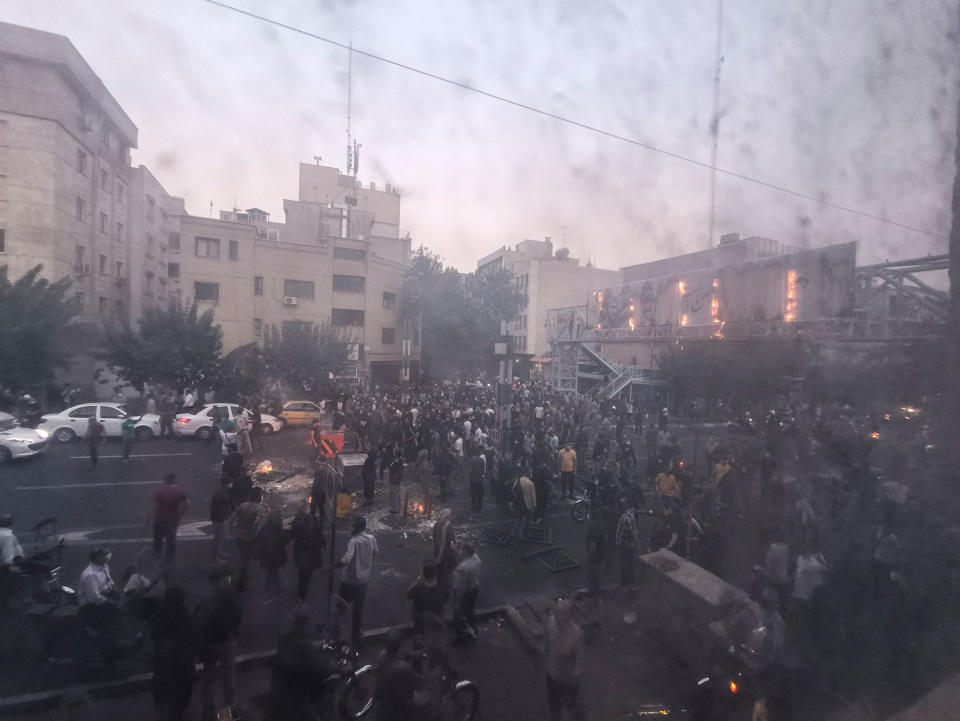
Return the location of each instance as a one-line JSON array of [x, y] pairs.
[[563, 253]]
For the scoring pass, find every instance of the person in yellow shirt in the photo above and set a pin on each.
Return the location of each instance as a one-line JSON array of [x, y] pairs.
[[667, 484], [568, 468]]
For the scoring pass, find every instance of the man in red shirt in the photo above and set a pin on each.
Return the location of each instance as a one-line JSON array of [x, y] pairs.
[[170, 502]]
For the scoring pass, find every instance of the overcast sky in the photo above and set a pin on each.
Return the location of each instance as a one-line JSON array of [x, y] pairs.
[[853, 101]]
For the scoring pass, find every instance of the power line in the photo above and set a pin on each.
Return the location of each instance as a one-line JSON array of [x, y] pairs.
[[577, 123]]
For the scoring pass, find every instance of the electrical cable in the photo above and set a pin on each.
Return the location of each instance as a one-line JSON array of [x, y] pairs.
[[577, 123]]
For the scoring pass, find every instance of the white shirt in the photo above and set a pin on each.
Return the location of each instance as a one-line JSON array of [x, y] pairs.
[[95, 583], [458, 446], [188, 400], [358, 558], [241, 421], [9, 547], [467, 425]]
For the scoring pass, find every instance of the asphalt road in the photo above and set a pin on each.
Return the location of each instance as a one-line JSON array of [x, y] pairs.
[[109, 505]]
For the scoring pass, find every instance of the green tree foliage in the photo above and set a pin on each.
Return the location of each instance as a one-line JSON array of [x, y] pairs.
[[460, 313], [36, 337], [177, 347], [243, 373], [303, 355]]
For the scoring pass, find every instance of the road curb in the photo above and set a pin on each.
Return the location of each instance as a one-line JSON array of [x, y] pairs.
[[52, 698]]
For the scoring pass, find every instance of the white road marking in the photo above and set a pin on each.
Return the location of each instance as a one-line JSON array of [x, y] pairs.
[[134, 455], [86, 485]]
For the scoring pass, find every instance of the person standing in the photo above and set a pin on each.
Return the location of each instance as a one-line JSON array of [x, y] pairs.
[[466, 588], [424, 469], [271, 543], [326, 484], [128, 431], [357, 562], [396, 478], [308, 545], [369, 475], [429, 596], [316, 440], [242, 428], [170, 502], [568, 469], [97, 594], [443, 538], [93, 438], [256, 427], [563, 654], [477, 469], [221, 508], [245, 524], [166, 417], [174, 650], [596, 538], [626, 542], [525, 503], [218, 626], [232, 466]]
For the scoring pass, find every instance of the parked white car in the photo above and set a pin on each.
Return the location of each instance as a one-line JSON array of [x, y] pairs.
[[19, 442], [198, 421], [71, 423]]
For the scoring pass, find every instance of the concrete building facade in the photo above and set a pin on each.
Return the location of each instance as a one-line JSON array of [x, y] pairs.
[[547, 280], [71, 200]]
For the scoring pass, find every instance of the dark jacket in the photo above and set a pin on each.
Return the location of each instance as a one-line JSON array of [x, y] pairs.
[[272, 545], [308, 541]]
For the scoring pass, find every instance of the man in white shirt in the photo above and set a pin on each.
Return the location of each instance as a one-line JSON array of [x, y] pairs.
[[356, 563], [96, 591], [10, 550], [242, 427]]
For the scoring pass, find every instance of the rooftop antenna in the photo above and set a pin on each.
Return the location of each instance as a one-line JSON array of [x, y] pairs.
[[211, 208], [318, 158], [353, 147], [715, 128]]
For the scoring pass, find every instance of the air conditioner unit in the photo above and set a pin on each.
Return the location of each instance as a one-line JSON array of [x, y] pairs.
[[290, 300]]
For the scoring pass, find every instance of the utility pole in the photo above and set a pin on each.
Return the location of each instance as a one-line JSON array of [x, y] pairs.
[[953, 318]]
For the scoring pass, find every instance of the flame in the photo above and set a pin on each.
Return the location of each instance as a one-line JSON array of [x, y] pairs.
[[716, 282], [266, 469], [733, 687], [791, 312], [874, 435], [684, 320], [681, 287], [715, 309], [632, 323]]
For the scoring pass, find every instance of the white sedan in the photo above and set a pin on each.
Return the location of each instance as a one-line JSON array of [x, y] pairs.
[[71, 423], [198, 421], [19, 442]]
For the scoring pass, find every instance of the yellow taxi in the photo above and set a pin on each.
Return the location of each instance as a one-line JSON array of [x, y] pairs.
[[299, 413]]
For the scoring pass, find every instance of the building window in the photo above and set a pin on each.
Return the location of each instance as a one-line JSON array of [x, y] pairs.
[[258, 285], [342, 316], [103, 223], [349, 283], [119, 269], [81, 162], [206, 291], [234, 250], [3, 240], [208, 247], [80, 208], [104, 179], [174, 241], [387, 336], [119, 231], [349, 253], [120, 188], [103, 265], [102, 305], [302, 289], [173, 271], [389, 300], [273, 235], [81, 301], [257, 328]]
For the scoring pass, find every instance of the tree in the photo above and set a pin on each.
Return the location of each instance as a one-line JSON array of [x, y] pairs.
[[243, 373], [460, 313], [303, 355], [36, 336], [177, 347]]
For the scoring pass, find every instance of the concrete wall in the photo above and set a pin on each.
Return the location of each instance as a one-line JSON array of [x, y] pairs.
[[803, 286]]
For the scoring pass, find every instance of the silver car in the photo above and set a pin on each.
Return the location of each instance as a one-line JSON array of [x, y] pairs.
[[71, 423], [19, 442], [198, 421]]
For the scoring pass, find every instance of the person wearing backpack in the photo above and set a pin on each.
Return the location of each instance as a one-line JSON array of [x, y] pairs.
[[245, 524]]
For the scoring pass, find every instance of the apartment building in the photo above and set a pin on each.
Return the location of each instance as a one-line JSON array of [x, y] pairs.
[[337, 258], [71, 200], [547, 280]]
